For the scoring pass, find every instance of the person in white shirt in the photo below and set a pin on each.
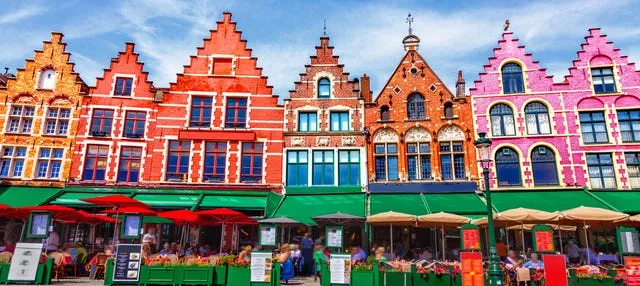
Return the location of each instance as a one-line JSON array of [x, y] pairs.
[[52, 242], [151, 238]]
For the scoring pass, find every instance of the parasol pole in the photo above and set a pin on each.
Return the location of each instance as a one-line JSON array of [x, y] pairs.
[[115, 228], [443, 242], [222, 237], [393, 254], [586, 239], [522, 235], [75, 234], [507, 232], [560, 233], [24, 226], [435, 239]]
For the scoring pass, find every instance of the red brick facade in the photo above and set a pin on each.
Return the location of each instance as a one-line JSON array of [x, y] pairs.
[[438, 118]]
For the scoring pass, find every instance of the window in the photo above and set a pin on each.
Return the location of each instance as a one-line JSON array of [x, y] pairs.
[[297, 168], [537, 117], [502, 123], [12, 164], [47, 79], [57, 121], [129, 169], [215, 161], [601, 173], [236, 114], [340, 121], [415, 107], [349, 167], [251, 169], [543, 163], [123, 86], [308, 122], [323, 168], [384, 113], [386, 158], [178, 167], [508, 167], [452, 160], [419, 161], [95, 163], [21, 119], [448, 110], [134, 124], [512, 79], [603, 81], [633, 168], [101, 122], [49, 163], [629, 121], [593, 127], [324, 88], [201, 111]]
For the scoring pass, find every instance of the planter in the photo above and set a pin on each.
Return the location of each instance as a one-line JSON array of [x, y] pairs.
[[362, 278], [595, 282], [238, 276], [43, 274], [431, 280], [159, 275], [194, 275], [395, 279], [219, 275], [4, 272], [457, 280]]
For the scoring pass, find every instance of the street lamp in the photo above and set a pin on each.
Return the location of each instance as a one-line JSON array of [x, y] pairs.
[[483, 145]]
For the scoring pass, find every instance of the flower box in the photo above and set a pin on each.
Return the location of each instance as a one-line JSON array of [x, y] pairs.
[[159, 275], [43, 273], [220, 275], [194, 275], [363, 277], [4, 273], [431, 279], [238, 276], [389, 278]]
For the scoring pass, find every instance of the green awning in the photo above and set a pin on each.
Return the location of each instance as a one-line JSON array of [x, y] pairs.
[[168, 201], [273, 201], [457, 203], [545, 200], [26, 196], [234, 202], [624, 201], [155, 219], [404, 203], [304, 207], [307, 190], [75, 199]]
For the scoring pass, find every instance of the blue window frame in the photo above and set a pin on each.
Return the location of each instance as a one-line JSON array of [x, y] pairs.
[[251, 162], [502, 122], [324, 88], [415, 107], [419, 161], [323, 169], [452, 160], [339, 121], [508, 167], [215, 161], [236, 113], [537, 118], [129, 167], [629, 121], [512, 79], [307, 122], [601, 173], [201, 111], [543, 165], [386, 161], [349, 167], [603, 81], [593, 127], [297, 168]]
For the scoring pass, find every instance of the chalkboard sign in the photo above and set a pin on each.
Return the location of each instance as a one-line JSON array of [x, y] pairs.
[[128, 261]]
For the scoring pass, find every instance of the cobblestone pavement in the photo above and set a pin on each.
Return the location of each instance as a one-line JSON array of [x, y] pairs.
[[301, 281]]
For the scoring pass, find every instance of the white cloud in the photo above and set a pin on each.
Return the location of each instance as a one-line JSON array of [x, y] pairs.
[[21, 14]]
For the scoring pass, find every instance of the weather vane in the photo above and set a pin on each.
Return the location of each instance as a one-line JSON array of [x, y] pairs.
[[409, 21], [506, 25], [324, 28]]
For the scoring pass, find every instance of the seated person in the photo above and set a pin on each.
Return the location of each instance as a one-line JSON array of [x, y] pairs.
[[355, 255], [379, 254], [166, 250], [511, 261], [534, 262], [426, 255]]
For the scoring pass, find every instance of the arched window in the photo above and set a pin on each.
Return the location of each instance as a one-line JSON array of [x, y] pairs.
[[415, 107], [384, 113], [448, 110], [508, 167], [512, 81], [324, 88], [537, 117], [502, 123], [543, 163], [47, 79]]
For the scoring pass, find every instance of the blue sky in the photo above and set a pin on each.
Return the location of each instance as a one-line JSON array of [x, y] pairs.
[[366, 34]]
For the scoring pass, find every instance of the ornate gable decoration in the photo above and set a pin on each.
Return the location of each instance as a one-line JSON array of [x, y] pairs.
[[385, 135], [417, 134], [450, 133]]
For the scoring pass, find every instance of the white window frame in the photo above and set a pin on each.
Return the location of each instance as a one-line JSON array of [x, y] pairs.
[[13, 159], [49, 160]]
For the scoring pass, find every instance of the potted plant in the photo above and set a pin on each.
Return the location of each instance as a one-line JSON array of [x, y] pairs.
[[238, 272], [394, 274], [195, 271], [593, 279], [537, 277], [159, 270], [220, 269], [364, 274]]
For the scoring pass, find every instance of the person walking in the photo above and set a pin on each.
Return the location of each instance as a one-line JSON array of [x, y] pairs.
[[307, 254]]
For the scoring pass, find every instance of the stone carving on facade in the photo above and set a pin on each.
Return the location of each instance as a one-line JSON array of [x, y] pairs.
[[158, 96], [61, 101], [417, 134], [297, 141], [385, 135], [323, 141], [450, 133], [24, 99], [348, 140]]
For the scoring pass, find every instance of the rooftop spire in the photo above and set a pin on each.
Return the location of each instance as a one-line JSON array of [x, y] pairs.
[[411, 41], [506, 25], [410, 21], [324, 27]]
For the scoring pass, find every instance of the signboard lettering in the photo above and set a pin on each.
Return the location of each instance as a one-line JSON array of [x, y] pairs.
[[128, 261], [261, 263], [340, 267]]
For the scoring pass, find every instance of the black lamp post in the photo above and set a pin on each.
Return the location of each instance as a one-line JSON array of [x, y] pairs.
[[483, 144]]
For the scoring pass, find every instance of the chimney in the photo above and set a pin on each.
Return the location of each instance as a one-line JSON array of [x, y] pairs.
[[365, 88], [460, 86]]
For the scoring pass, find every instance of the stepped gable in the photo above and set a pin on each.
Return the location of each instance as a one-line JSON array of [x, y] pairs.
[[126, 63]]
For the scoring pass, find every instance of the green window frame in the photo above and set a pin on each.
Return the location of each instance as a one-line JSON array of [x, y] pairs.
[[297, 168], [349, 168], [340, 121], [307, 122], [323, 168]]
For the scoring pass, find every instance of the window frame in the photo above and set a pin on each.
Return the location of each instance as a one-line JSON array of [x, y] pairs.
[[41, 79], [129, 161], [122, 84], [218, 149], [633, 168], [629, 120], [501, 115], [416, 107], [385, 157], [448, 110], [349, 165], [602, 78], [452, 155], [135, 121], [509, 79], [600, 167], [505, 166], [102, 126], [173, 172], [254, 156], [324, 82], [201, 121], [57, 120], [98, 157], [22, 127], [308, 120], [530, 109], [235, 120], [419, 171], [16, 160], [325, 166], [385, 113], [536, 161], [49, 161], [343, 118], [592, 123], [297, 170]]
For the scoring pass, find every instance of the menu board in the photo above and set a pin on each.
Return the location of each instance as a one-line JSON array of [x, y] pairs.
[[128, 261], [340, 268], [471, 266], [470, 238], [268, 235], [24, 263], [543, 239], [628, 240], [39, 224], [334, 236], [555, 270], [632, 269], [261, 263]]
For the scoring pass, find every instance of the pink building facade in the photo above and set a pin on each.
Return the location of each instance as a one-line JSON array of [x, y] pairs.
[[582, 132]]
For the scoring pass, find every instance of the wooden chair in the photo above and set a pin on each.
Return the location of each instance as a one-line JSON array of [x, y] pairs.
[[58, 265], [100, 266]]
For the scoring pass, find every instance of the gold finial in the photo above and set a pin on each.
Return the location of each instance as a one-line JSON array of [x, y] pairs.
[[506, 25]]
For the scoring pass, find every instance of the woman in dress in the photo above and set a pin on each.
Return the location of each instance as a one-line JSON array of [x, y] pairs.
[[287, 264]]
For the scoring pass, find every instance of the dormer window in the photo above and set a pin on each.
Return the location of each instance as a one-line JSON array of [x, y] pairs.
[[123, 86], [415, 107], [324, 88], [47, 79], [603, 81], [512, 79]]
